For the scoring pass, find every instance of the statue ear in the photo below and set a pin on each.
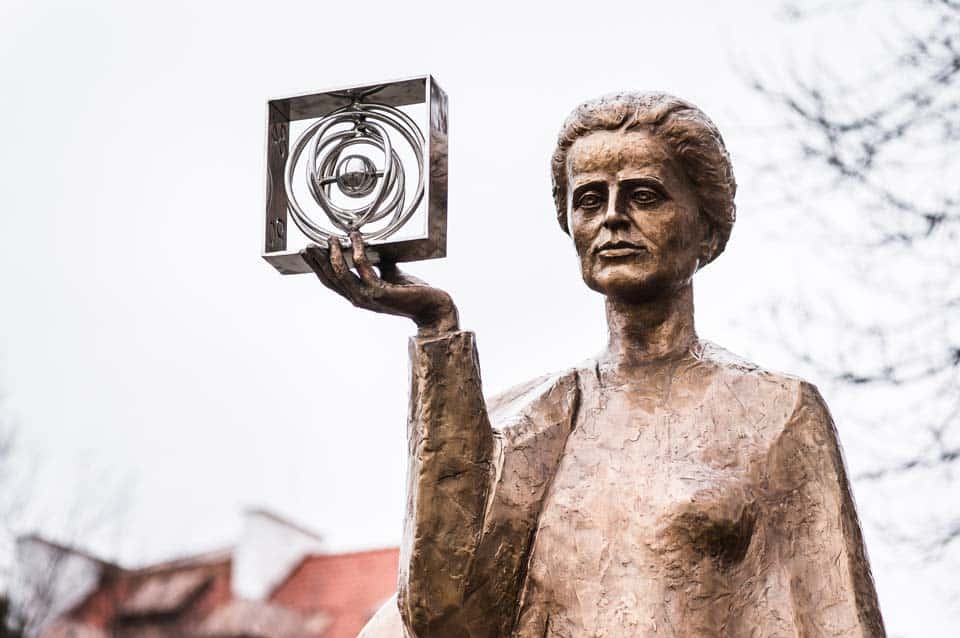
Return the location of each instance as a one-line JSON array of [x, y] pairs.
[[710, 240]]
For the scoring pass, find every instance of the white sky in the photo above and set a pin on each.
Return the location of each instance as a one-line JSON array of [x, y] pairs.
[[144, 343]]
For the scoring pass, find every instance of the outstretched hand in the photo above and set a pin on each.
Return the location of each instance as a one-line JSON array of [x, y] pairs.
[[391, 291]]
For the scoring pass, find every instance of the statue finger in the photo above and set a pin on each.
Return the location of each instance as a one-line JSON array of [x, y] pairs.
[[337, 261], [318, 260], [367, 274], [316, 263], [353, 288]]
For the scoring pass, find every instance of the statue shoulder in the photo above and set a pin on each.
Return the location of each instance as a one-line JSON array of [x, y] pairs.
[[792, 427], [810, 426], [541, 406], [767, 398], [718, 357]]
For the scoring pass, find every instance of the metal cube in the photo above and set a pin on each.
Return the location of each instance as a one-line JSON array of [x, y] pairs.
[[282, 111]]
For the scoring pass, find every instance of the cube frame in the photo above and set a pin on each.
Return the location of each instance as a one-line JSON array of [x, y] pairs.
[[282, 111]]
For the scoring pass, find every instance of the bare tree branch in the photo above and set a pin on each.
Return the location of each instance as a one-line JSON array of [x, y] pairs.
[[881, 144]]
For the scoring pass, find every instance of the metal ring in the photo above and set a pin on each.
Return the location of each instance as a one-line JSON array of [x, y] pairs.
[[324, 175], [347, 220], [369, 125]]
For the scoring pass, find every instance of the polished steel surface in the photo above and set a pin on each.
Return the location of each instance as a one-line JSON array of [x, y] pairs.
[[356, 175], [357, 148]]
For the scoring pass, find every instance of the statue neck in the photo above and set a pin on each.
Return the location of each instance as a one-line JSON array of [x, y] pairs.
[[648, 331]]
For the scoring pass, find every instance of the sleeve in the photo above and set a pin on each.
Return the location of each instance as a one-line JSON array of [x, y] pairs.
[[474, 492], [450, 473], [824, 565]]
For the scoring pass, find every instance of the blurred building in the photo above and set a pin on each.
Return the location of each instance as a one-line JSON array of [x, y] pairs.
[[277, 582]]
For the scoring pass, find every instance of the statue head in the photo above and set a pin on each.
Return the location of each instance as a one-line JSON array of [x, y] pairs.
[[644, 185]]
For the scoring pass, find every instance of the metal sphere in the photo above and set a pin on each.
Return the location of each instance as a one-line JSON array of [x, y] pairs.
[[356, 175]]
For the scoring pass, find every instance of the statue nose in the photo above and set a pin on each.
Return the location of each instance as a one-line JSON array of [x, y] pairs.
[[613, 215]]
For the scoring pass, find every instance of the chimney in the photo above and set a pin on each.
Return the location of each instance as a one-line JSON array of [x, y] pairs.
[[269, 549]]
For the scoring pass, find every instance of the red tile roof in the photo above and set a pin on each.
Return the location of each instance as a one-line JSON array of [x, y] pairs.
[[165, 593], [254, 618], [348, 587], [325, 596]]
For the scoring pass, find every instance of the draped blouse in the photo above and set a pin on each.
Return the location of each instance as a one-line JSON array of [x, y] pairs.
[[702, 497]]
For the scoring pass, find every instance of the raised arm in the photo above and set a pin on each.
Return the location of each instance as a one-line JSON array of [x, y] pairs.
[[450, 477], [475, 493], [451, 445]]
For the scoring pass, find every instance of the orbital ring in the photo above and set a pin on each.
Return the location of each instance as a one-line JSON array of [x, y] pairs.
[[392, 179], [356, 218], [395, 186], [356, 175]]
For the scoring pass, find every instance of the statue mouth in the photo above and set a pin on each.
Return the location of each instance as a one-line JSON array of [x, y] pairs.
[[615, 249]]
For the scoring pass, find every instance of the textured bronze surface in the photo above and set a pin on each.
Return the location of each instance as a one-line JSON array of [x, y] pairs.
[[665, 487]]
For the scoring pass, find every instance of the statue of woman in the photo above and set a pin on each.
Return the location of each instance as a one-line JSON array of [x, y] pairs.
[[664, 488]]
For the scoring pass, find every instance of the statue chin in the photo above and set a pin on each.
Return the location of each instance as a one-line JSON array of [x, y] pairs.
[[633, 286]]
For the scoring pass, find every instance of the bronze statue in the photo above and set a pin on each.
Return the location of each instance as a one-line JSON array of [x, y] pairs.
[[665, 488]]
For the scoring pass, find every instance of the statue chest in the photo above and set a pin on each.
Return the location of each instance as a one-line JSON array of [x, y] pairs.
[[653, 502]]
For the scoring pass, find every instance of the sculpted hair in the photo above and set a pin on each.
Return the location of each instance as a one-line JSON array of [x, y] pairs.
[[686, 130]]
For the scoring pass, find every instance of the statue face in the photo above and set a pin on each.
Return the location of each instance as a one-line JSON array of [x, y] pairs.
[[634, 216]]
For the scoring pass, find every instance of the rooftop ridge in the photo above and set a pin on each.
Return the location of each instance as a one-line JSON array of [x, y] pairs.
[[204, 558], [373, 550], [283, 520], [63, 547]]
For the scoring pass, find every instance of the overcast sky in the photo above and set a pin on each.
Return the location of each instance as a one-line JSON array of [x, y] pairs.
[[156, 366]]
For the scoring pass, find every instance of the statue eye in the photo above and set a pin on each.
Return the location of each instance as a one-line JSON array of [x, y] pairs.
[[590, 201], [645, 196]]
